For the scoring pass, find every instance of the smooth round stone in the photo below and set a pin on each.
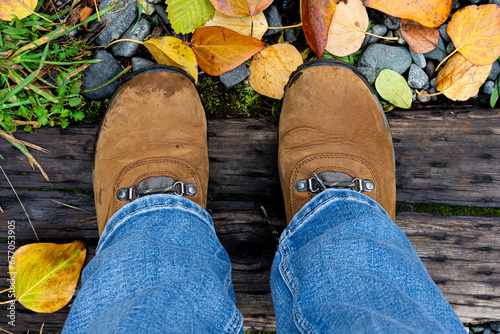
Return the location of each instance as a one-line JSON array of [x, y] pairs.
[[98, 74], [489, 87], [423, 99], [117, 21], [417, 77], [418, 58], [391, 22], [444, 32], [381, 56], [495, 70], [439, 53]]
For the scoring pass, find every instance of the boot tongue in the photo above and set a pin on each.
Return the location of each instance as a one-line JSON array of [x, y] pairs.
[[156, 185]]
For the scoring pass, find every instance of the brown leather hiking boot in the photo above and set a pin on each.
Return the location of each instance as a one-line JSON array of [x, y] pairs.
[[333, 133], [153, 139]]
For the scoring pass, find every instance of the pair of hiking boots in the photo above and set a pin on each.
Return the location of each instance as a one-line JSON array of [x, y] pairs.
[[332, 134]]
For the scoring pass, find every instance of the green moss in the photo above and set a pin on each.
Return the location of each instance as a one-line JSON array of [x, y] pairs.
[[93, 109], [446, 210], [239, 100]]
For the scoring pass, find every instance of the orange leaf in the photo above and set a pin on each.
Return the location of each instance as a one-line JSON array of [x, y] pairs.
[[316, 19], [421, 39], [85, 14], [475, 33], [219, 50], [272, 67], [240, 8], [429, 13], [460, 79]]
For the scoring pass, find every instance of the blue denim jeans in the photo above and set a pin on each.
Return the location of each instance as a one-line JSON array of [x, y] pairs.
[[341, 264]]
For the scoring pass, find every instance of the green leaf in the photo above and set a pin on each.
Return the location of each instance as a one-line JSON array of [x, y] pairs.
[[74, 101], [393, 87], [187, 15], [494, 96]]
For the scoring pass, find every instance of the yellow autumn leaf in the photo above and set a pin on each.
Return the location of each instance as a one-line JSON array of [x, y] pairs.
[[174, 52], [348, 27], [460, 79], [253, 26], [475, 32], [272, 67], [46, 274], [18, 8]]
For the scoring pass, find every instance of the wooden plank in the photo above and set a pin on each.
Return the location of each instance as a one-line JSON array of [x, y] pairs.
[[441, 157], [462, 254]]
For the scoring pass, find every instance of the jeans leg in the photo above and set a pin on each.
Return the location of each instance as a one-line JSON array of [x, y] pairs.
[[159, 268], [343, 262]]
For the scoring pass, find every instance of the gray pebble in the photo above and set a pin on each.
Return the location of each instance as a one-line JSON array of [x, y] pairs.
[[98, 74], [489, 87], [495, 325], [116, 21], [423, 99], [438, 53], [417, 77], [390, 34], [154, 2], [496, 2], [495, 70], [433, 82], [273, 18], [128, 49], [474, 2], [487, 330], [401, 40], [391, 22], [450, 48], [139, 63], [381, 56], [430, 69], [427, 86], [369, 73], [444, 33], [155, 19], [379, 30], [418, 58], [160, 10], [413, 96], [234, 77], [433, 91]]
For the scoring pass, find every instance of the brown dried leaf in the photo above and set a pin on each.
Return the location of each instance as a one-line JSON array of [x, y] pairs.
[[219, 49], [316, 19], [348, 27], [253, 26], [475, 33], [272, 67], [460, 79], [429, 13], [421, 39]]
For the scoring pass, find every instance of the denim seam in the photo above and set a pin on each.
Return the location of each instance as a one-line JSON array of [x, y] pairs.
[[234, 324], [128, 215]]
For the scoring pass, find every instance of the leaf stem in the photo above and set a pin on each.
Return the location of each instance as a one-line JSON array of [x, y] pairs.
[[428, 95], [387, 38], [445, 59], [124, 40], [287, 27]]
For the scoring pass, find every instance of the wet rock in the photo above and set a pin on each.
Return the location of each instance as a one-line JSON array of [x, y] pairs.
[[495, 325], [450, 48], [495, 70], [439, 53], [474, 2], [401, 40], [381, 56], [379, 30], [98, 74], [433, 91], [116, 21], [418, 58], [273, 18], [154, 2], [430, 69], [417, 77], [444, 33], [496, 2], [139, 63], [413, 96], [489, 87], [128, 49], [422, 98], [369, 73], [391, 22], [234, 77], [433, 82]]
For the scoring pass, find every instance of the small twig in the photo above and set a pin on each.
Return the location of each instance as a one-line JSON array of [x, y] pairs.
[[286, 27], [97, 11], [6, 331], [71, 206], [22, 206]]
